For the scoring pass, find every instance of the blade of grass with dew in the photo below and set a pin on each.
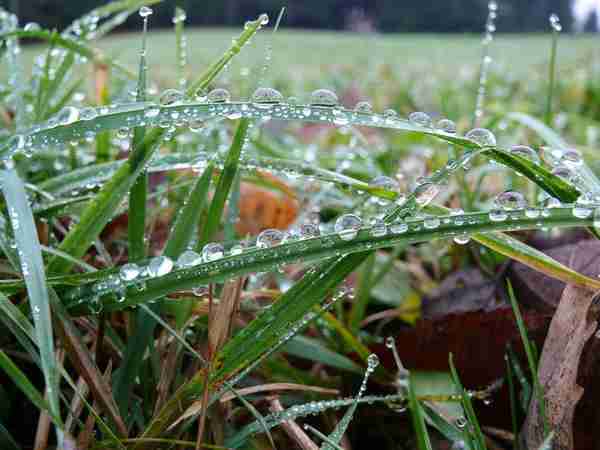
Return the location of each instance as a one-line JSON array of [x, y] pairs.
[[143, 325], [22, 382], [538, 389], [32, 267], [478, 225], [418, 419], [526, 389], [299, 411], [112, 193], [471, 417], [556, 29], [228, 174]]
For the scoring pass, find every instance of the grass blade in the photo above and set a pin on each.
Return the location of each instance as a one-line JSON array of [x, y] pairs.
[[538, 389], [215, 210], [32, 267], [22, 382], [418, 419]]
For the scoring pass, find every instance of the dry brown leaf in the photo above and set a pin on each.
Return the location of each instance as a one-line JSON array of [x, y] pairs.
[[293, 430], [574, 322], [276, 387]]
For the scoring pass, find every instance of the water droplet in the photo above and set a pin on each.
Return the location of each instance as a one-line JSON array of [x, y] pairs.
[[129, 272], [145, 11], [555, 23], [482, 136], [383, 182], [212, 251], [159, 266], [378, 227], [526, 152], [68, 115], [498, 215], [446, 125], [170, 97], [269, 238], [372, 361], [151, 113], [323, 97], [189, 258], [347, 226], [363, 107], [180, 16], [32, 26], [266, 97], [563, 172], [420, 118], [461, 422], [431, 223], [510, 201], [462, 239], [425, 193], [398, 227], [219, 95], [88, 113], [572, 157], [389, 342], [309, 230]]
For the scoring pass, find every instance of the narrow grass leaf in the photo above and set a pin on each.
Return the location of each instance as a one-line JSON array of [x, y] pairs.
[[228, 174], [418, 419], [32, 268]]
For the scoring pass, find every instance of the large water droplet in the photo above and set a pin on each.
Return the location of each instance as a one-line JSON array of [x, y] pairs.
[[498, 215], [347, 226], [189, 258], [269, 238], [363, 107], [425, 193], [572, 157], [145, 11], [420, 118], [510, 201], [482, 136], [170, 97], [265, 97], [180, 16], [323, 97], [68, 115], [129, 272], [159, 266], [446, 125], [526, 152], [212, 251], [555, 23], [219, 95], [378, 227]]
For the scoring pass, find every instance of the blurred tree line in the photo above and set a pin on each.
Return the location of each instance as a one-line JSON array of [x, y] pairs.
[[365, 15]]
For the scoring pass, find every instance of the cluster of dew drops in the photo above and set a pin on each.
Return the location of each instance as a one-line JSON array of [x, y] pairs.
[[347, 226]]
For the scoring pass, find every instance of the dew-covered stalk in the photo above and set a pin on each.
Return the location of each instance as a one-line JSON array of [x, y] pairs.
[[181, 41], [486, 60], [556, 29]]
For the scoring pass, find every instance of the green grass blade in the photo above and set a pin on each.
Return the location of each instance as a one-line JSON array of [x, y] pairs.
[[314, 350], [188, 216], [32, 267], [7, 442], [228, 174], [538, 389], [418, 419], [512, 395], [472, 422], [365, 283], [22, 382]]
